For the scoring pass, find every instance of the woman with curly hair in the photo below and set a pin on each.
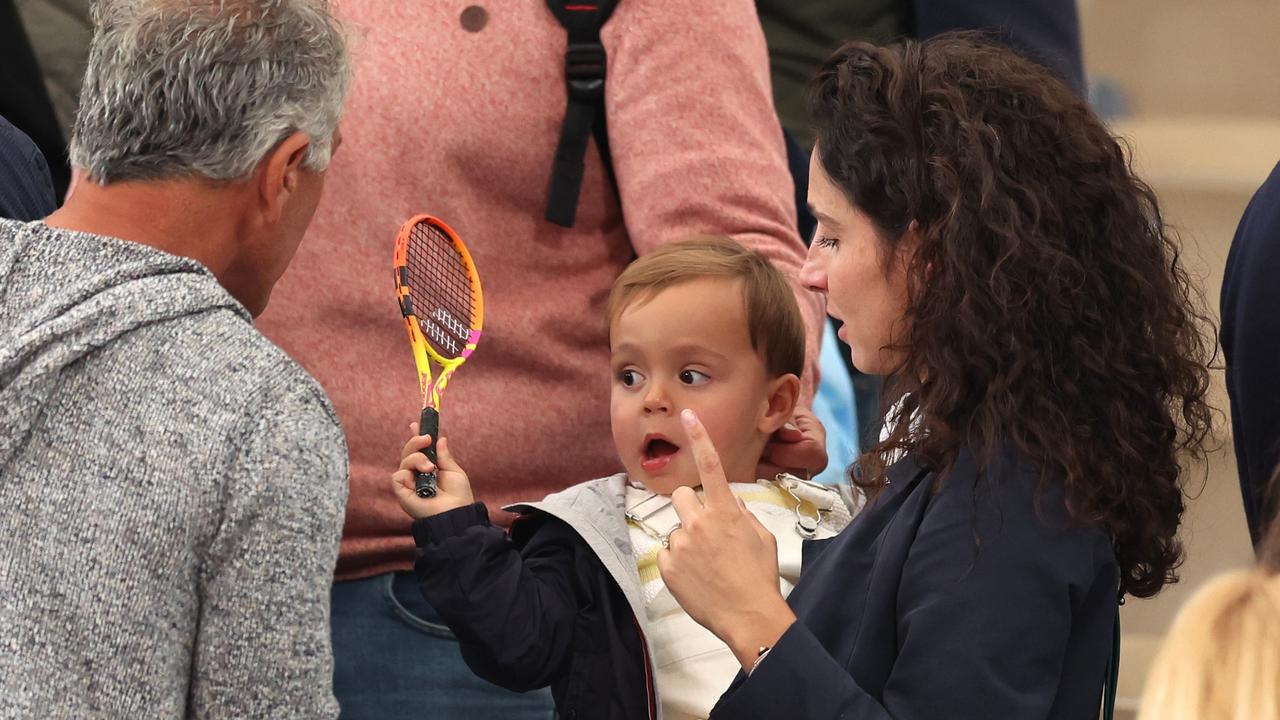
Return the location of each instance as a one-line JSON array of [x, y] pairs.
[[993, 256]]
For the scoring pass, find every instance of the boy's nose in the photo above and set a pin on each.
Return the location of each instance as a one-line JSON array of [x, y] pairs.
[[655, 400]]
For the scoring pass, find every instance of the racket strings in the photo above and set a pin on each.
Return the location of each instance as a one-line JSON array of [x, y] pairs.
[[441, 290]]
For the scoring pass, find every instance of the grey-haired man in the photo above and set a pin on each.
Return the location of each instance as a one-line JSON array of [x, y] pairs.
[[172, 485]]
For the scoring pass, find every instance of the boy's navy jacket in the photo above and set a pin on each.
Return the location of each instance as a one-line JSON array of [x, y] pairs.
[[972, 599], [556, 603]]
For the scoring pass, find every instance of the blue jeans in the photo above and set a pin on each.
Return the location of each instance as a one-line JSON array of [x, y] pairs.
[[394, 658]]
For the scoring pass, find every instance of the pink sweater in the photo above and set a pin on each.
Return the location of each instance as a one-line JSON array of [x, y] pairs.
[[464, 125]]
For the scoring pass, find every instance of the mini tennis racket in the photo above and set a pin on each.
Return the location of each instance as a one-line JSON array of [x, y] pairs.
[[439, 293]]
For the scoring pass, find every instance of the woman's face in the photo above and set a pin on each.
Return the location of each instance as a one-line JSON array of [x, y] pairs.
[[866, 288]]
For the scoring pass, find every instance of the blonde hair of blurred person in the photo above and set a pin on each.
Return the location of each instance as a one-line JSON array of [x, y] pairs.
[[1221, 660]]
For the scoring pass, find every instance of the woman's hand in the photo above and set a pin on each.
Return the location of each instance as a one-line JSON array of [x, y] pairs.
[[454, 489], [721, 564], [799, 447]]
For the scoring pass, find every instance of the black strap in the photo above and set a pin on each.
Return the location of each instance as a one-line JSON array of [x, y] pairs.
[[584, 71], [1113, 673]]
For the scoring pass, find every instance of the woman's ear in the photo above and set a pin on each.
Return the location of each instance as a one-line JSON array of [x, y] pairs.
[[780, 404], [910, 245]]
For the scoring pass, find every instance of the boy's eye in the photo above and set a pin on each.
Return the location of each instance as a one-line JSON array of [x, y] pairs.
[[630, 378], [693, 377]]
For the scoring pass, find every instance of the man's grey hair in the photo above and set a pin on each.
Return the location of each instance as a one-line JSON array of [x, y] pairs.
[[207, 87]]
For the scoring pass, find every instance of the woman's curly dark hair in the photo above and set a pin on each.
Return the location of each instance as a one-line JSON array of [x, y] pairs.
[[1046, 303]]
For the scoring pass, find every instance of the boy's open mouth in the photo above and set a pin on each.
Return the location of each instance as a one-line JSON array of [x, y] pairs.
[[658, 452]]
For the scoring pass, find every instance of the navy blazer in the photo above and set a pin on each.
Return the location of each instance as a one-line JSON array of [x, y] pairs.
[[976, 599], [1047, 31], [26, 193], [1251, 344]]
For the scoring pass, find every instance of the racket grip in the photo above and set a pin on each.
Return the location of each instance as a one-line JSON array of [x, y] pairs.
[[429, 424]]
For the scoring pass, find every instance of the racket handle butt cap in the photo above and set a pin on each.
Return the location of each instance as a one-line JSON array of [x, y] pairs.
[[425, 484]]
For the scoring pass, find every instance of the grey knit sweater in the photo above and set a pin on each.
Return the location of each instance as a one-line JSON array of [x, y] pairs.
[[171, 493]]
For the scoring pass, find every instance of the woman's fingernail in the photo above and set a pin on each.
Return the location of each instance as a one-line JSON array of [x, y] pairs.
[[688, 418]]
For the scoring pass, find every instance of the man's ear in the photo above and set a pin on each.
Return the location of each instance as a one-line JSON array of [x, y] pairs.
[[784, 393], [278, 175]]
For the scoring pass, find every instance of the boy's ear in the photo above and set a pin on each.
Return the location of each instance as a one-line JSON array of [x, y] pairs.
[[784, 393]]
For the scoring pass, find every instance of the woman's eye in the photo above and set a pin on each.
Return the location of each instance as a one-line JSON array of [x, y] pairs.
[[630, 378], [824, 241], [693, 377]]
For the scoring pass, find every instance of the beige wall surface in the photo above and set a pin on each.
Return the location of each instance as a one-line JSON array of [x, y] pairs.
[[1201, 81], [1187, 56]]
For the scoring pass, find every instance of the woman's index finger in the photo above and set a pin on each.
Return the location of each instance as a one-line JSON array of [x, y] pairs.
[[715, 486]]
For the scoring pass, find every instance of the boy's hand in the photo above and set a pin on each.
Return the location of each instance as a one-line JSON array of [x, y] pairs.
[[454, 487]]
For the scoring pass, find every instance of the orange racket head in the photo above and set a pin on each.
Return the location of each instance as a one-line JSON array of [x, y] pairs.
[[438, 288]]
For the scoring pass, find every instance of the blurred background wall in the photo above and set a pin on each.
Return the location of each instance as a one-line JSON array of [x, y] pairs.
[[1195, 88]]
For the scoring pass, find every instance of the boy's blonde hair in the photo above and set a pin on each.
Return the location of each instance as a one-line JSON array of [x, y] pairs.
[[1222, 656], [773, 317]]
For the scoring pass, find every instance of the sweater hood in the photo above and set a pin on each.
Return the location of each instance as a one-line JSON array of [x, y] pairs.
[[64, 295]]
